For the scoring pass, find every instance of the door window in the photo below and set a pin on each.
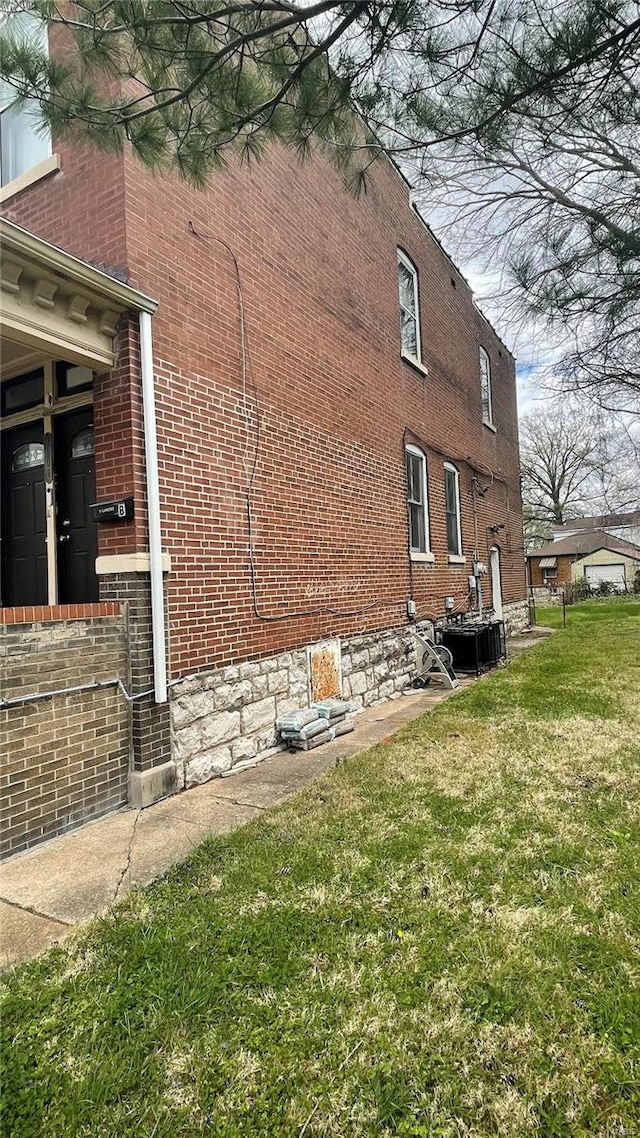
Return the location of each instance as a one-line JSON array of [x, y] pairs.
[[82, 444], [27, 457]]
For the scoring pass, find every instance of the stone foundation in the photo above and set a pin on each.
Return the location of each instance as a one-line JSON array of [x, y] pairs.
[[227, 716], [546, 596], [516, 617], [375, 667]]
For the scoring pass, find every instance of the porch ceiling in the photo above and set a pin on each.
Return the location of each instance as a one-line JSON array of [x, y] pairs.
[[56, 306], [15, 357]]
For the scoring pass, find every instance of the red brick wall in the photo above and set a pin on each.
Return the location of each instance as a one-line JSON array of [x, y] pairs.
[[119, 442], [563, 572], [333, 398], [317, 423], [80, 208]]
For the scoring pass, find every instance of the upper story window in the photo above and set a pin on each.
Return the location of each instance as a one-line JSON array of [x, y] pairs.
[[485, 388], [409, 307], [452, 508], [417, 500], [22, 392], [25, 141]]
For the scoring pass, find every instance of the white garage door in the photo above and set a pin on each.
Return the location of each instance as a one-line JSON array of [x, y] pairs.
[[614, 574]]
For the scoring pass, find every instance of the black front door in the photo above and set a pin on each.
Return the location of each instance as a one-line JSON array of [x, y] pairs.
[[75, 491], [24, 527]]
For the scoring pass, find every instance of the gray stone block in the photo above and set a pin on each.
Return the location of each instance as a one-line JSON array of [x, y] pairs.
[[207, 733], [186, 687], [189, 708], [298, 679], [286, 703], [278, 682], [267, 739], [229, 696], [206, 765], [244, 748], [257, 716], [357, 684], [259, 687]]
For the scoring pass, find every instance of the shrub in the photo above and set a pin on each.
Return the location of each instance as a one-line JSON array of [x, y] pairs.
[[576, 591]]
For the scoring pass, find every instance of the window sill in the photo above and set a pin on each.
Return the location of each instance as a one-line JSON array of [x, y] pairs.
[[425, 558], [489, 426], [413, 362], [42, 170], [456, 559]]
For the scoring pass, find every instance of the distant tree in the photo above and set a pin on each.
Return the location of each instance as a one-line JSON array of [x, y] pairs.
[[520, 118], [575, 463]]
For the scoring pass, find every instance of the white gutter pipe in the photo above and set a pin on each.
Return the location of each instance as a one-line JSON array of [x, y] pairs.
[[153, 509]]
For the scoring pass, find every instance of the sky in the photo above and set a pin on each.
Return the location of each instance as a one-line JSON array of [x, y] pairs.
[[533, 352], [532, 346]]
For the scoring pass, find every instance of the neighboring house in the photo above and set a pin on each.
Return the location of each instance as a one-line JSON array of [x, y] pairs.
[[625, 525], [595, 557], [238, 424]]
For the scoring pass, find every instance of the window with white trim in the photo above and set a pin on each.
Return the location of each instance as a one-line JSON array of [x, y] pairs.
[[452, 509], [485, 388], [417, 500], [409, 307], [25, 141]]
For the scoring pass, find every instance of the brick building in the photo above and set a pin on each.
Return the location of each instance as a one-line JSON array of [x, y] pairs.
[[308, 428], [590, 555]]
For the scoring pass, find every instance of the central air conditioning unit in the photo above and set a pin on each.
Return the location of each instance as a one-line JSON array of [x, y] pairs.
[[476, 646], [433, 662]]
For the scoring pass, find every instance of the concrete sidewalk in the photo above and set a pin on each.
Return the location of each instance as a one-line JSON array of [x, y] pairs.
[[48, 891]]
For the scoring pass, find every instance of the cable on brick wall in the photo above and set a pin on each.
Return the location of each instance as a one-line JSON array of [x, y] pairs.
[[96, 685], [250, 470], [248, 378]]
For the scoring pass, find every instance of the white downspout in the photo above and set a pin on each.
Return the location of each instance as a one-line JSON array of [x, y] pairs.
[[153, 509]]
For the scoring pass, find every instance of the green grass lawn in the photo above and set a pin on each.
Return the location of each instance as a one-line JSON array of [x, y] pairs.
[[439, 938]]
